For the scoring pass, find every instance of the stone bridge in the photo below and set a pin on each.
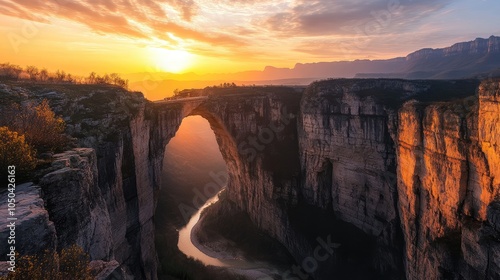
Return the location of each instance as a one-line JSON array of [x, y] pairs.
[[255, 130]]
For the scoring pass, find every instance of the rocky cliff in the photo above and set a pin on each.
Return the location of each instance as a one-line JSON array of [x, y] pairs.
[[101, 198], [394, 204], [448, 184], [407, 162], [477, 58]]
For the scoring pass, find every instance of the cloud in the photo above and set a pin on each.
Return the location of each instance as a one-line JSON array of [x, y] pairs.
[[238, 26], [117, 17], [326, 17]]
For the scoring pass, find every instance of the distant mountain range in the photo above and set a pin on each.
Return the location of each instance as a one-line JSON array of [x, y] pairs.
[[462, 60], [477, 58]]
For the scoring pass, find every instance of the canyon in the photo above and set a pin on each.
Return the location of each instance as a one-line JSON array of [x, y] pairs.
[[401, 176]]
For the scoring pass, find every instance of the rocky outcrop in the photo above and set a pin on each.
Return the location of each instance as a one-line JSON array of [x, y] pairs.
[[115, 123], [34, 231], [106, 270], [101, 198], [75, 204]]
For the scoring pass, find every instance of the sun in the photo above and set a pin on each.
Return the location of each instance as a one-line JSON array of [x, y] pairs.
[[174, 61]]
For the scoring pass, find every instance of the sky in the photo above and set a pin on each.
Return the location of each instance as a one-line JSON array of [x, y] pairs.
[[227, 36]]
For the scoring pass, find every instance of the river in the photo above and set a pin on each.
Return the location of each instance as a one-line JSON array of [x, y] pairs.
[[253, 270], [186, 245]]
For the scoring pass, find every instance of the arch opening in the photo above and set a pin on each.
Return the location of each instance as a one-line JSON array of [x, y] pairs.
[[224, 223], [193, 172]]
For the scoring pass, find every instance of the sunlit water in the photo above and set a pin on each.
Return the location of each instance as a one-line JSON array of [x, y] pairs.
[[186, 245]]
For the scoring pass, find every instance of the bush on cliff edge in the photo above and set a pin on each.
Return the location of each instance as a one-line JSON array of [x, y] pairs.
[[39, 124], [15, 151], [72, 263]]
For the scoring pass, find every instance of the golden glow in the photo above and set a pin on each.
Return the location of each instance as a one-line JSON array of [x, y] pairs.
[[174, 61]]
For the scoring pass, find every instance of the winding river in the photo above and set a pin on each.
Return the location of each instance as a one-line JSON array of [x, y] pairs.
[[253, 270], [186, 245]]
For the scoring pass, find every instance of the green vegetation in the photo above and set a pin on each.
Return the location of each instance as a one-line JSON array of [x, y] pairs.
[[70, 263]]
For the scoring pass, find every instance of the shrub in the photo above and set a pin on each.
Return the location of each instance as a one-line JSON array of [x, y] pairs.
[[39, 125], [71, 263], [41, 267], [15, 151], [74, 264]]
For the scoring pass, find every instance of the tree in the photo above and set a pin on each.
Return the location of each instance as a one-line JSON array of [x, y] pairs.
[[44, 75], [69, 78], [92, 78], [60, 76], [10, 71], [33, 72], [115, 78]]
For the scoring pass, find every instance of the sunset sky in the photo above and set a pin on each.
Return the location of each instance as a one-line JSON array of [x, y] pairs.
[[220, 36]]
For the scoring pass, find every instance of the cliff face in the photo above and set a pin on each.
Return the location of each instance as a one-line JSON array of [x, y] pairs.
[[348, 161], [448, 180], [74, 182], [102, 197], [33, 226], [355, 136]]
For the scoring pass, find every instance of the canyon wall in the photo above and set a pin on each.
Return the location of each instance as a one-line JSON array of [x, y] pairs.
[[101, 197], [115, 124], [348, 164], [408, 162], [448, 183]]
